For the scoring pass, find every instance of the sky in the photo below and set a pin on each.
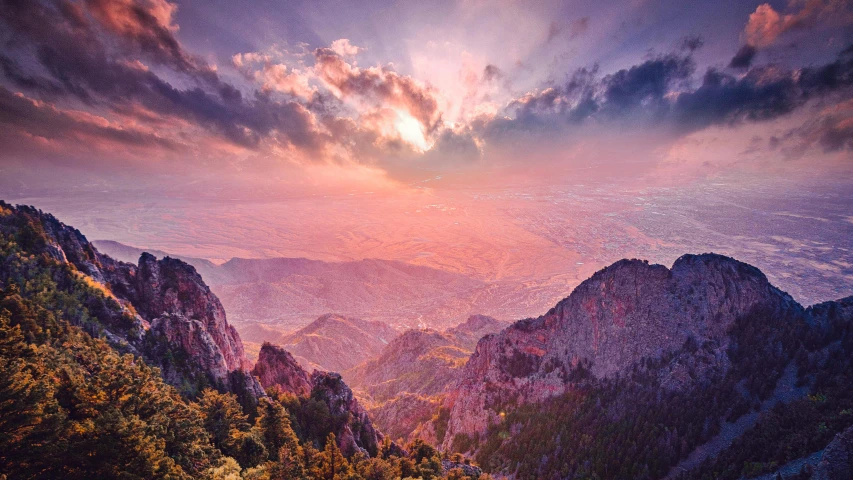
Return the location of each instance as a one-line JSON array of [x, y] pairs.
[[108, 105]]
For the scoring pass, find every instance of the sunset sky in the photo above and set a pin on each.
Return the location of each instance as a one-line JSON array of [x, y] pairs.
[[122, 109]]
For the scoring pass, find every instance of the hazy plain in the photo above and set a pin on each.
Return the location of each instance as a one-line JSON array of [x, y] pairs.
[[529, 243]]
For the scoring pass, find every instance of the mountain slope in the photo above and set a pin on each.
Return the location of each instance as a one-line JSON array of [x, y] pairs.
[[643, 367], [404, 384], [336, 343], [624, 313], [79, 333], [159, 309], [291, 292]]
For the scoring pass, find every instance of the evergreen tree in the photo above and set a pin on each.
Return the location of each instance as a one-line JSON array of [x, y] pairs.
[[331, 463]]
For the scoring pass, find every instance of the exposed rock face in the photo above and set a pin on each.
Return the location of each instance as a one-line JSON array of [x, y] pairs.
[[337, 343], [167, 295], [170, 289], [275, 366], [406, 382], [837, 460], [626, 312], [404, 414], [358, 433], [418, 361], [469, 332], [467, 470]]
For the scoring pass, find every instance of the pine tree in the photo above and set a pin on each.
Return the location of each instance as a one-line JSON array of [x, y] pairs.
[[331, 463], [224, 420]]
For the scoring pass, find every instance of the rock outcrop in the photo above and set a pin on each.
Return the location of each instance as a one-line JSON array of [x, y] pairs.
[[166, 296], [171, 292], [469, 332], [837, 460], [277, 367], [405, 384], [626, 312], [358, 433]]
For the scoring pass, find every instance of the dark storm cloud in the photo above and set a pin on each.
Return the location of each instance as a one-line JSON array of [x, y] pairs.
[[691, 43], [144, 27], [743, 57], [836, 134], [41, 120], [645, 84], [56, 49], [659, 90]]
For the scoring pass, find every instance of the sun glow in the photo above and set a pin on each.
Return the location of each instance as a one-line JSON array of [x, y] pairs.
[[411, 131]]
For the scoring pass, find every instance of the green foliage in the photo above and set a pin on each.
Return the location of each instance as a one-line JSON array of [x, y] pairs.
[[633, 427], [73, 407]]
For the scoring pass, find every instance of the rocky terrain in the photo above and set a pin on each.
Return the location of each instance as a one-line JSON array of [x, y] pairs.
[[290, 293], [175, 316], [336, 343], [405, 383], [277, 369], [624, 313], [701, 370], [120, 370]]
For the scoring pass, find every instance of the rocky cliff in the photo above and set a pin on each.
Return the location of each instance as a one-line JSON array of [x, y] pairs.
[[276, 368], [405, 384], [177, 323], [626, 312]]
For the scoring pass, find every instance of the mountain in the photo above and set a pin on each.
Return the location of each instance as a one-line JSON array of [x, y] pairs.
[[702, 370], [276, 368], [404, 384], [159, 309], [285, 294], [88, 344], [289, 293], [332, 342]]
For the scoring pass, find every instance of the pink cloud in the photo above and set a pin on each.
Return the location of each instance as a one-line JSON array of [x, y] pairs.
[[765, 25]]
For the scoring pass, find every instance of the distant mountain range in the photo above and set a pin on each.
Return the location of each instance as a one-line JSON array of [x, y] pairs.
[[404, 384], [701, 370], [289, 293]]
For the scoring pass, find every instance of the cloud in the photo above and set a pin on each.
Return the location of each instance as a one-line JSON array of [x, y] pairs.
[[378, 86], [42, 124], [274, 76], [61, 53], [831, 130], [492, 72], [658, 90], [576, 28], [143, 26], [766, 24], [344, 48], [743, 57], [691, 43]]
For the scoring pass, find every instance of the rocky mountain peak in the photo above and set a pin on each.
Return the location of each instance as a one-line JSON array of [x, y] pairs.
[[277, 367], [358, 433], [181, 307], [625, 312], [167, 295]]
